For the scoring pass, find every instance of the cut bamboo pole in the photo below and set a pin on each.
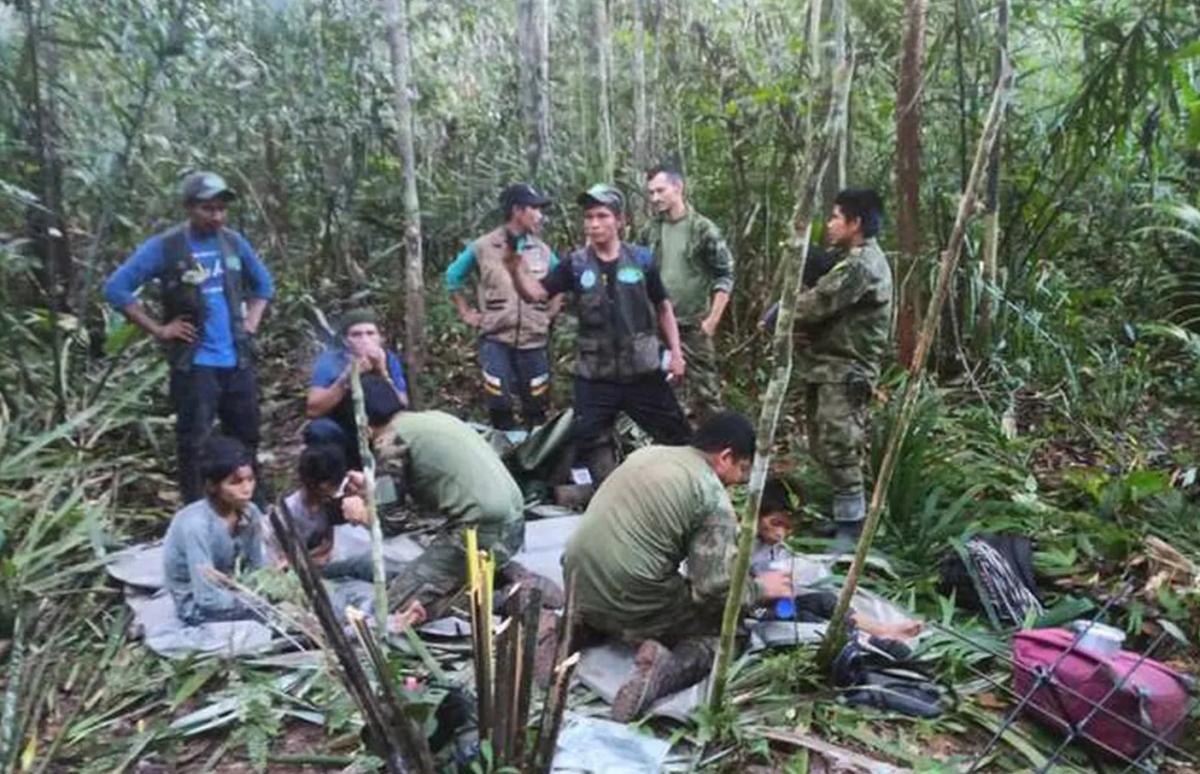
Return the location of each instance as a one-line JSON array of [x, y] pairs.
[[378, 576], [404, 744], [835, 634], [816, 162], [552, 714]]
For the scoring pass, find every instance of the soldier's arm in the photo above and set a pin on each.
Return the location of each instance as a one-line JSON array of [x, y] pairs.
[[718, 260], [711, 555], [842, 288]]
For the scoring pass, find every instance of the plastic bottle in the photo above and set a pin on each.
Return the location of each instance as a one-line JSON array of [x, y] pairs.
[[785, 609]]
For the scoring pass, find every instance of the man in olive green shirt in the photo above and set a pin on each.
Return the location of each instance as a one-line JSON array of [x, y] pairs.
[[843, 332], [662, 506], [449, 470], [697, 270]]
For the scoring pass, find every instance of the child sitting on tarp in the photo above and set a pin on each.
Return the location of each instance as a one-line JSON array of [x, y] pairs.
[[221, 532], [776, 521]]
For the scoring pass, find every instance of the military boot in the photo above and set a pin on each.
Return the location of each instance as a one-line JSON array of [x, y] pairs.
[[849, 510], [515, 572], [659, 672]]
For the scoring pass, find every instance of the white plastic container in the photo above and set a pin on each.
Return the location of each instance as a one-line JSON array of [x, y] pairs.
[[1099, 638]]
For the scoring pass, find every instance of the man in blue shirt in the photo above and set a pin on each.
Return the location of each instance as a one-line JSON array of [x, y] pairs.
[[329, 404], [214, 292], [513, 333]]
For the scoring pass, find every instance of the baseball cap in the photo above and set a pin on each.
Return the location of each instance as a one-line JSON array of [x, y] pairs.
[[522, 195], [604, 195], [203, 186]]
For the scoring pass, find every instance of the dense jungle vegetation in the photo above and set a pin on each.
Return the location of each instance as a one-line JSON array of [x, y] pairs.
[[368, 142]]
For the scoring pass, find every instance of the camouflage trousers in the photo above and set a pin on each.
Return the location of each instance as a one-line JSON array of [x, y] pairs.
[[700, 391], [678, 618], [439, 574], [836, 422]]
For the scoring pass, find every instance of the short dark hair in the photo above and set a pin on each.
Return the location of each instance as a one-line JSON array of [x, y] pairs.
[[726, 430], [668, 168], [775, 498], [863, 204], [323, 463], [220, 456]]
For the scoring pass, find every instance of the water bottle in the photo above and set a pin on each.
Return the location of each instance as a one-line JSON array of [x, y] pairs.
[[785, 609]]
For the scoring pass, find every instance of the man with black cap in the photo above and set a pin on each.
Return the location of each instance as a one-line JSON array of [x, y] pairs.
[[329, 404], [214, 292], [622, 308], [513, 332]]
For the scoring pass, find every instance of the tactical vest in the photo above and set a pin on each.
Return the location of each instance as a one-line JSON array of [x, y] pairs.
[[507, 318], [182, 297], [618, 326]]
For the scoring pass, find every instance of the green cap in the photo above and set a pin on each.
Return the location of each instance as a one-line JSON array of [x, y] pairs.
[[357, 317], [604, 195], [203, 186]]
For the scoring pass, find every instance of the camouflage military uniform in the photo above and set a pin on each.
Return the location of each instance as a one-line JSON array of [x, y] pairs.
[[691, 276], [448, 470], [846, 318], [662, 506]]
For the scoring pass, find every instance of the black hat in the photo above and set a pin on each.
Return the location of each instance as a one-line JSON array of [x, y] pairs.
[[603, 195], [203, 186], [522, 195]]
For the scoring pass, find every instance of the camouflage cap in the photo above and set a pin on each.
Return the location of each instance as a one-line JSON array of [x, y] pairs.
[[204, 186], [603, 195]]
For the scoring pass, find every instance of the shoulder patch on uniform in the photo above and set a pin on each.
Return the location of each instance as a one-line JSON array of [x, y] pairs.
[[587, 280]]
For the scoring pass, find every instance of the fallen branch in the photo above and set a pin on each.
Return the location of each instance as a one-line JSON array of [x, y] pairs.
[[844, 759], [835, 634]]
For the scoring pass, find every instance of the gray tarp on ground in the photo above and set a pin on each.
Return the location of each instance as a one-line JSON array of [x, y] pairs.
[[598, 746]]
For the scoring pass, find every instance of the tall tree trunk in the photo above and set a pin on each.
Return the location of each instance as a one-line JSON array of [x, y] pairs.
[[396, 18], [835, 54], [908, 177], [641, 129], [601, 78], [652, 93], [991, 198], [533, 33], [45, 222]]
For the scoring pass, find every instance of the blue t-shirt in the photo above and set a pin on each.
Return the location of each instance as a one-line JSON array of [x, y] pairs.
[[332, 362], [216, 346]]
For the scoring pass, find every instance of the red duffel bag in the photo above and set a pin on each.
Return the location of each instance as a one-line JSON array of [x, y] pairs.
[[1152, 697]]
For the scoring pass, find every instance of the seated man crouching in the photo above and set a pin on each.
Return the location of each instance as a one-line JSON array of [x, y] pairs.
[[221, 531], [664, 505], [329, 405], [450, 471]]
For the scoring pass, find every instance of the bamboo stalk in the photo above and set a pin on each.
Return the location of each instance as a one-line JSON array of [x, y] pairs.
[[378, 576], [401, 738], [10, 719], [815, 165], [834, 635], [531, 616], [503, 689], [552, 715]]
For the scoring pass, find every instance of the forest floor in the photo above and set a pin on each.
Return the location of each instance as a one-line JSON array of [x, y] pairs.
[[1092, 498]]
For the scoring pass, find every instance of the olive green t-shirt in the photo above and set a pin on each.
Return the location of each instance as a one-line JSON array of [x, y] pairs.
[[687, 284], [451, 469], [663, 505]]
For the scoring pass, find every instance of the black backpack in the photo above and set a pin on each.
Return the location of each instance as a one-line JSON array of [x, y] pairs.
[[992, 574]]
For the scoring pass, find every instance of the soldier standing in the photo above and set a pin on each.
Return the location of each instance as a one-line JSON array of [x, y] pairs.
[[622, 308], [513, 332], [843, 330], [697, 270]]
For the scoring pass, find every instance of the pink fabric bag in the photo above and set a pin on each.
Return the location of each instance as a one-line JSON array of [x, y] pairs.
[[1152, 696]]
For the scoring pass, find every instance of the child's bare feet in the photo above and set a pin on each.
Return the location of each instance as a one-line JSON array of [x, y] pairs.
[[413, 615]]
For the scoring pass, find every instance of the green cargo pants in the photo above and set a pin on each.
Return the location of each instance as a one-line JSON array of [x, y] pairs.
[[437, 576], [700, 391], [836, 421]]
